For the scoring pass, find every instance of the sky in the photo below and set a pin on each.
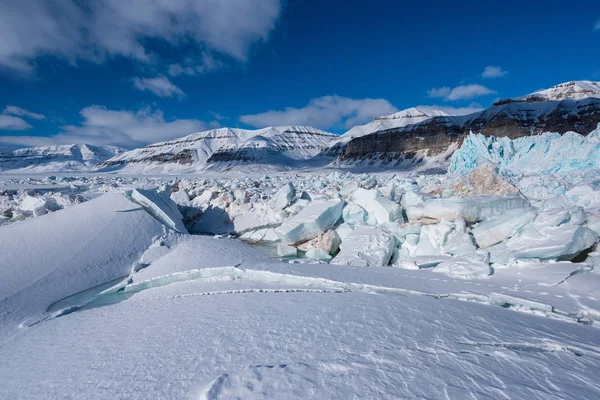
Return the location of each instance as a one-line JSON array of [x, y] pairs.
[[130, 73]]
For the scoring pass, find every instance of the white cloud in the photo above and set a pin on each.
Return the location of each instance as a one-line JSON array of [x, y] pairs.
[[463, 92], [493, 72], [207, 64], [10, 123], [21, 112], [324, 112], [10, 118], [160, 86], [91, 30], [116, 127]]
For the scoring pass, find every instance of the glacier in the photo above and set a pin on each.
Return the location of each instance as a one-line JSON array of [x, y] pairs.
[[548, 153]]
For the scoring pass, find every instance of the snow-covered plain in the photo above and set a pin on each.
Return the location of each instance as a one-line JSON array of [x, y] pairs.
[[480, 283]]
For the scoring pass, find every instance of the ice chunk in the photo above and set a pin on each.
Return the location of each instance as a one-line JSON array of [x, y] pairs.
[[297, 206], [344, 230], [318, 254], [30, 203], [283, 250], [353, 213], [500, 228], [459, 242], [485, 181], [381, 208], [316, 218], [180, 197], [471, 210], [593, 222], [366, 247], [283, 197], [161, 207], [471, 267], [433, 238], [562, 242], [329, 241]]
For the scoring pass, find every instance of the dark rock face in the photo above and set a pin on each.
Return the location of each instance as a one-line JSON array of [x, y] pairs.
[[511, 119], [185, 157]]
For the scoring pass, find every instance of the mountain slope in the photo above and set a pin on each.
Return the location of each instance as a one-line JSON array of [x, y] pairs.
[[559, 109], [225, 148], [74, 157]]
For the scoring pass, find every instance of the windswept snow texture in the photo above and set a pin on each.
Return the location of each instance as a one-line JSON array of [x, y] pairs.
[[215, 319], [76, 157], [544, 154]]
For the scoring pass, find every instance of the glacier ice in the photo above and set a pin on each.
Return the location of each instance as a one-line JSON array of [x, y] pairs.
[[548, 153]]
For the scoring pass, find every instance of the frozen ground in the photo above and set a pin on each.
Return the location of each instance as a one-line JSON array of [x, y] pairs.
[[482, 284]]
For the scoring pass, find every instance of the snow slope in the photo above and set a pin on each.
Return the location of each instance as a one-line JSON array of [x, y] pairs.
[[54, 256], [76, 157], [213, 319]]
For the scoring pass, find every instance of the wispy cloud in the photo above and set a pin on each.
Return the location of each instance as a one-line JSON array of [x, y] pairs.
[[116, 127], [92, 30], [11, 118], [205, 65], [597, 27], [324, 112], [493, 72], [21, 112], [160, 86], [463, 92]]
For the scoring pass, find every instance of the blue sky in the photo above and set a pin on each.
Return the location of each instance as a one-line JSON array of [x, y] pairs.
[[130, 73]]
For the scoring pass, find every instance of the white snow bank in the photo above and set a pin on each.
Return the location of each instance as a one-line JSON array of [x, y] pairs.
[[54, 256]]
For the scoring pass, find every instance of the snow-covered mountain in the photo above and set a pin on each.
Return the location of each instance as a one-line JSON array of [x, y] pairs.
[[575, 90], [74, 157], [572, 106], [225, 149], [410, 116]]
